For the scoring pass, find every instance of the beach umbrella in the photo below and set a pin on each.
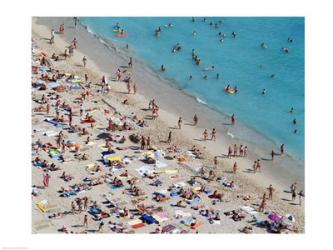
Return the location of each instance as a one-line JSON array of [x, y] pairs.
[[273, 216]]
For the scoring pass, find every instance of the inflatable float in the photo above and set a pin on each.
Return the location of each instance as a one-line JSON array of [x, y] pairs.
[[230, 90], [121, 35]]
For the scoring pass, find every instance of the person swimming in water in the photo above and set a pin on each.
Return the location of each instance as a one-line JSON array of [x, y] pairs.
[[263, 45], [176, 48], [263, 92], [233, 119], [272, 76], [193, 19], [227, 88], [193, 53], [291, 110], [162, 68], [205, 77], [285, 50], [233, 35], [190, 77], [217, 76], [290, 40], [294, 121], [194, 33]]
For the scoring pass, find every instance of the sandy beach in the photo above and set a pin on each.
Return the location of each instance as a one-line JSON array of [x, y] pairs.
[[176, 162]]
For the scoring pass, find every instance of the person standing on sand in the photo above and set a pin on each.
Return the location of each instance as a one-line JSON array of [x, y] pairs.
[[195, 120], [85, 220], [143, 142], [270, 192], [301, 197], [205, 134], [84, 60], [263, 204], [48, 109], [180, 121], [272, 154], [245, 151], [215, 162], [134, 88], [76, 20], [234, 169], [229, 152], [148, 142], [254, 167], [100, 225], [52, 36], [130, 63], [235, 150], [169, 137], [233, 119], [73, 206], [282, 149], [213, 138], [85, 202], [258, 167], [293, 189], [74, 42], [241, 151], [46, 179]]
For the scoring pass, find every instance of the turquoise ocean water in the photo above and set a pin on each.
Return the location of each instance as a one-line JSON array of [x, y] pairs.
[[240, 62]]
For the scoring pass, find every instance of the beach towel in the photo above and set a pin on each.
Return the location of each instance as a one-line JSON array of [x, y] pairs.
[[102, 146], [168, 228], [180, 184], [194, 201], [148, 219], [52, 85], [139, 225], [174, 194], [88, 121], [196, 225], [160, 164], [46, 179], [188, 220], [114, 158], [161, 216], [159, 154], [166, 171], [107, 153], [144, 170], [275, 217], [42, 205], [68, 194], [94, 210], [114, 187], [249, 210], [180, 213]]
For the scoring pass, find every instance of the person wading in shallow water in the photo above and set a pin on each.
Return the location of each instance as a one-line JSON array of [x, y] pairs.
[[233, 119]]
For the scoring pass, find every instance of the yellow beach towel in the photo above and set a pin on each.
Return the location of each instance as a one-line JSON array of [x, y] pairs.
[[42, 206]]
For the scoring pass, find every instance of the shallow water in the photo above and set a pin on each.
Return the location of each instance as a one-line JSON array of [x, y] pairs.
[[239, 61]]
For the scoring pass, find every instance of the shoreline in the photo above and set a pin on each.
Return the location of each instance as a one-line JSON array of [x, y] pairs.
[[152, 84], [244, 132], [170, 117]]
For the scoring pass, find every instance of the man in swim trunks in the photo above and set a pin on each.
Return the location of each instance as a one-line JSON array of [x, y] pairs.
[[180, 121], [84, 60], [195, 119]]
